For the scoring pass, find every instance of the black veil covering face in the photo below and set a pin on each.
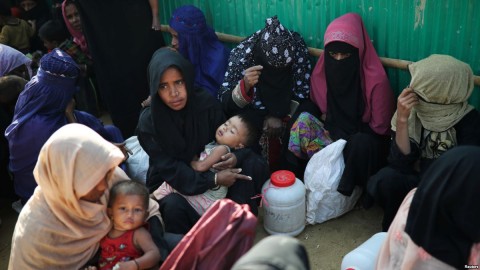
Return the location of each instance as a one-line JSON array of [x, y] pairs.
[[285, 74], [344, 96], [444, 217], [121, 43], [275, 83]]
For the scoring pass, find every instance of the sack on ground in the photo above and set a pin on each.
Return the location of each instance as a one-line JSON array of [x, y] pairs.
[[137, 163], [322, 176]]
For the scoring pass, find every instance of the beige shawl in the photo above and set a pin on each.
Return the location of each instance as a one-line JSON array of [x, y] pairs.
[[56, 230], [443, 85]]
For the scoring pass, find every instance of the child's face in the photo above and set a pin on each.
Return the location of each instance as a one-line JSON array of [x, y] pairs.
[[232, 133], [28, 4], [127, 212], [50, 45]]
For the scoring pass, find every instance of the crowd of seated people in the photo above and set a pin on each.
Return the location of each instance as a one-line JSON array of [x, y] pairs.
[[207, 124]]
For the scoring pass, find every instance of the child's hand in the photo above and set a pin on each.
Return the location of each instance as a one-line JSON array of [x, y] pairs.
[[90, 268], [130, 265]]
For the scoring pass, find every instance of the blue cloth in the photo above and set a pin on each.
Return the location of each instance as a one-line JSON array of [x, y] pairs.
[[39, 112], [200, 45]]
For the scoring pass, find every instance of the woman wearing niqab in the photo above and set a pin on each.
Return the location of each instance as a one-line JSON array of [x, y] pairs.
[[352, 90]]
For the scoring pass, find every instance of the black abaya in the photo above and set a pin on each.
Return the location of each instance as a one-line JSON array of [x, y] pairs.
[[121, 43]]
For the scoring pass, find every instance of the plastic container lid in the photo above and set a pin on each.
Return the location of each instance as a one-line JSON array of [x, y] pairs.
[[282, 178]]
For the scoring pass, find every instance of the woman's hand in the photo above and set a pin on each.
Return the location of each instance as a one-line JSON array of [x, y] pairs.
[[155, 24], [69, 111], [228, 161], [252, 74], [405, 102], [273, 127], [229, 176], [146, 102]]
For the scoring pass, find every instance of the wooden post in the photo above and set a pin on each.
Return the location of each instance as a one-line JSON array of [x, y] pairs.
[[387, 62]]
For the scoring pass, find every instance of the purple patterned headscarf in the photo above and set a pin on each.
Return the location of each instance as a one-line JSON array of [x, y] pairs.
[[286, 67]]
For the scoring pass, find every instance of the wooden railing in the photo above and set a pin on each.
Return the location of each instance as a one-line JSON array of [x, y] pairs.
[[387, 62]]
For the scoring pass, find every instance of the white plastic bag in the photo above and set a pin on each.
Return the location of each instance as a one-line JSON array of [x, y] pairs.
[[322, 176], [137, 163]]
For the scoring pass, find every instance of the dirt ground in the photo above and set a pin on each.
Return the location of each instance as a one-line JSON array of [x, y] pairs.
[[326, 243]]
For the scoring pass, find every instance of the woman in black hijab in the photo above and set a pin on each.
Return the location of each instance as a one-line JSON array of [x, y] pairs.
[[180, 121]]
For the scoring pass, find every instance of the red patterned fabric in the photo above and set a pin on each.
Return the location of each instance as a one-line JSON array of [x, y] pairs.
[[120, 249]]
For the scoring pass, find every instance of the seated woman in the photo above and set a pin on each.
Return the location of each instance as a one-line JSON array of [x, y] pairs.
[[352, 90], [432, 117], [61, 225], [438, 223], [265, 73], [44, 106], [199, 44], [14, 63], [176, 127]]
